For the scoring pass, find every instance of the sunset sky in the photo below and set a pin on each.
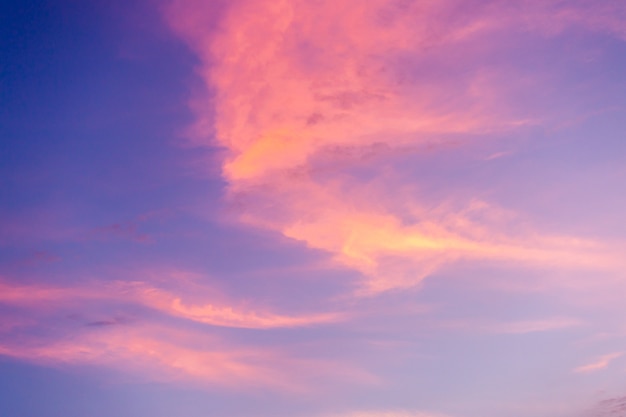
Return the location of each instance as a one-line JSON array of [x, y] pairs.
[[313, 208]]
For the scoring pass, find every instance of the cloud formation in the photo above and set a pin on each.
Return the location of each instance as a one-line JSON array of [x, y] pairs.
[[612, 407], [161, 353], [152, 347], [218, 313], [386, 414], [599, 364], [402, 207], [306, 93]]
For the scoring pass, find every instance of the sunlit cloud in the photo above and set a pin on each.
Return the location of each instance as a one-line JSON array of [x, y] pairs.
[[599, 364], [158, 353], [151, 347], [221, 315], [303, 90], [218, 313], [338, 208], [516, 327], [386, 414]]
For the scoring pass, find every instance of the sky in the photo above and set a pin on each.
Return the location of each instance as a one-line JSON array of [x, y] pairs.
[[312, 208]]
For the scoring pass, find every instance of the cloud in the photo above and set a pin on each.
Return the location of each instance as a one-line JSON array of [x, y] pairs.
[[110, 322], [122, 231], [516, 327], [295, 77], [217, 313], [386, 414], [164, 354], [133, 340], [612, 407], [224, 315], [532, 326], [301, 91], [599, 364], [498, 155]]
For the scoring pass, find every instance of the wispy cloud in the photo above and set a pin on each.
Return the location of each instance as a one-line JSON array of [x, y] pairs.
[[516, 327], [612, 407], [155, 352], [382, 413], [217, 313], [153, 347], [345, 128], [600, 363], [298, 83], [121, 231]]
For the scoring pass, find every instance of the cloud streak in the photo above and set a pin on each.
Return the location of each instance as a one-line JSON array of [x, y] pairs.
[[157, 353], [152, 347], [386, 414], [218, 313], [601, 363]]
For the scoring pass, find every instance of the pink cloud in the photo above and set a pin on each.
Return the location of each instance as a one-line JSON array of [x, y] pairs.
[[297, 82], [217, 312], [516, 327], [599, 364], [381, 413], [99, 325], [157, 352]]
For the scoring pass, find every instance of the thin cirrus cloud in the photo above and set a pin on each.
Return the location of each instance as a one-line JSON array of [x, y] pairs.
[[516, 327], [159, 353], [150, 347], [218, 313], [386, 414], [599, 364], [296, 86], [611, 407], [126, 349]]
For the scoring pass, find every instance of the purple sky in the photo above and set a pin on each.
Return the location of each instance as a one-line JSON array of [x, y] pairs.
[[312, 208]]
